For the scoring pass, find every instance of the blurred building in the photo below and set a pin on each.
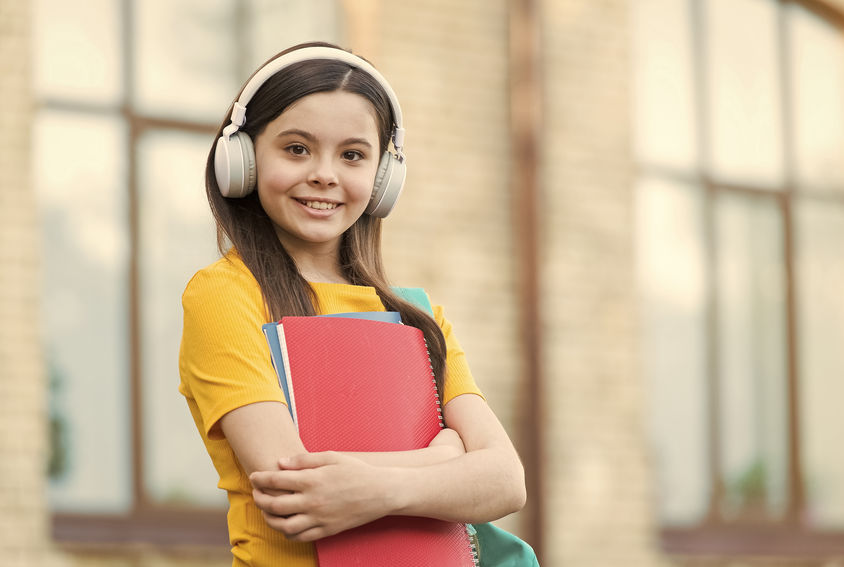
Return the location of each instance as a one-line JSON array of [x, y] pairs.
[[633, 212]]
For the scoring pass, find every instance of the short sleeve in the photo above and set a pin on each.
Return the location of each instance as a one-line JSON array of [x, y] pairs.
[[458, 376], [224, 359]]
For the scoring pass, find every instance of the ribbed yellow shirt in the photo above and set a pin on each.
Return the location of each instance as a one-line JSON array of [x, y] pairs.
[[225, 364]]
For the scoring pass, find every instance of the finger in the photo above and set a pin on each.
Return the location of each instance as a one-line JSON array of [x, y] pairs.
[[286, 505], [312, 534], [286, 481], [293, 527], [308, 460], [273, 492]]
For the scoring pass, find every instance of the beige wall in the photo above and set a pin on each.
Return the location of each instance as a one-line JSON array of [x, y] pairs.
[[23, 515], [599, 488], [453, 234]]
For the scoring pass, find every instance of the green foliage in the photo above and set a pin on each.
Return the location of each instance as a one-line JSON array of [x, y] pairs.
[[58, 462], [752, 484]]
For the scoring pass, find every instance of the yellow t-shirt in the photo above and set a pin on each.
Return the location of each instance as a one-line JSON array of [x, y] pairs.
[[225, 364]]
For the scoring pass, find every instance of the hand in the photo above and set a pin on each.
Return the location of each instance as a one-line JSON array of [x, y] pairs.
[[449, 440], [315, 495]]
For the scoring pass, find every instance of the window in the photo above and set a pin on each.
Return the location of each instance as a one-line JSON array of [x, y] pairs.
[[129, 96], [739, 133]]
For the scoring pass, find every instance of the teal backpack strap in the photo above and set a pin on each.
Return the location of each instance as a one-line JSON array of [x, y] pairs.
[[416, 296]]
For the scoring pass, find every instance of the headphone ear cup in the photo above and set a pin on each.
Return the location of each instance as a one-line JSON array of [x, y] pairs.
[[234, 165], [250, 169], [389, 181]]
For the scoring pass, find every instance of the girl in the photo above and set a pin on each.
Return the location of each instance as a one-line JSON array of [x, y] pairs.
[[297, 185]]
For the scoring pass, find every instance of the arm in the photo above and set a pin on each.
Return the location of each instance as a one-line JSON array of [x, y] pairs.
[[445, 446], [326, 493], [485, 484], [262, 433]]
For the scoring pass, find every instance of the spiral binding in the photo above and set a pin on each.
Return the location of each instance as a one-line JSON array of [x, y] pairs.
[[434, 382], [472, 534]]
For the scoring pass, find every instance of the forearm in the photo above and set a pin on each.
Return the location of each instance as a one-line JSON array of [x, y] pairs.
[[319, 494], [445, 446], [480, 486], [410, 459]]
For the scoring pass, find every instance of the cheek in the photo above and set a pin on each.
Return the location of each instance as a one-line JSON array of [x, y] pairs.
[[365, 182], [364, 188], [272, 185], [274, 179]]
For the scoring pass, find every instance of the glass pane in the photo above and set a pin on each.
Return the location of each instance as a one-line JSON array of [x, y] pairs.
[[80, 176], [186, 58], [820, 301], [752, 359], [817, 67], [664, 130], [77, 50], [743, 86], [671, 276], [178, 237], [277, 24]]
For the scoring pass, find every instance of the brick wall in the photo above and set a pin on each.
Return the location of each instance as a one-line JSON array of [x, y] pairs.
[[756, 562], [23, 513], [451, 233], [599, 491]]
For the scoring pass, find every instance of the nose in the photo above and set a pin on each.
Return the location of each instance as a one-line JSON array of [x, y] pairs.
[[323, 173]]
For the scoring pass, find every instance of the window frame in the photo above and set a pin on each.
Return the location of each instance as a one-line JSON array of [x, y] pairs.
[[713, 534], [146, 520]]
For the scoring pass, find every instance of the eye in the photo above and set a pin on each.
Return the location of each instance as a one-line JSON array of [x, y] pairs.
[[297, 150], [352, 155]]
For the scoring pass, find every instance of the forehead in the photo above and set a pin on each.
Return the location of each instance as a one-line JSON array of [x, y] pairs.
[[340, 111]]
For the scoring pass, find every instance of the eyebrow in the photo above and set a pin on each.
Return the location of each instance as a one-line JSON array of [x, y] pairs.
[[311, 138], [296, 132]]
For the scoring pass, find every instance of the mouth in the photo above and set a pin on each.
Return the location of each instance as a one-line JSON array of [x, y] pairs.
[[318, 205]]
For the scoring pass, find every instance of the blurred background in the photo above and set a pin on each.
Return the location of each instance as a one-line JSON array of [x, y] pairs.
[[632, 210]]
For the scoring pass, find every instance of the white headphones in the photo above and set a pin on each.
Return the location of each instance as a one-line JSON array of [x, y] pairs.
[[234, 156]]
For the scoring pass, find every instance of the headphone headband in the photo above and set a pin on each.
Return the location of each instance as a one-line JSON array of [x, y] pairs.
[[234, 153], [238, 117]]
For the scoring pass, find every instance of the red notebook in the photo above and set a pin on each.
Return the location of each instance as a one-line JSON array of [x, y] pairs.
[[361, 385]]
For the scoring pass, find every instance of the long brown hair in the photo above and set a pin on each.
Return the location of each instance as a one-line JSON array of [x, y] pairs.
[[244, 223]]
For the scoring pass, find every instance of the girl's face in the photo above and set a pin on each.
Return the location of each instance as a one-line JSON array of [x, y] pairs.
[[316, 164]]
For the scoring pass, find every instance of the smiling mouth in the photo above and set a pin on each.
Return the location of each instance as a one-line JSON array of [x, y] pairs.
[[319, 205]]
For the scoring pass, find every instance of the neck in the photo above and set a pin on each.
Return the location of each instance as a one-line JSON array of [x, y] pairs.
[[317, 265], [317, 275], [316, 262]]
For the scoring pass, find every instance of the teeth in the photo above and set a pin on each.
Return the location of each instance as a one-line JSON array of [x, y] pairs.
[[320, 205]]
